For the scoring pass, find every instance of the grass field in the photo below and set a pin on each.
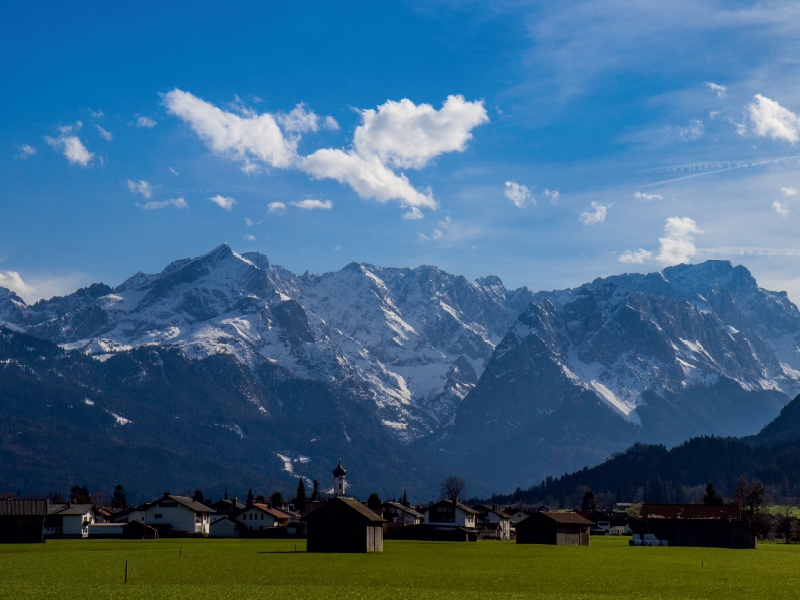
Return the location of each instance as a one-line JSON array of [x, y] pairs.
[[237, 569]]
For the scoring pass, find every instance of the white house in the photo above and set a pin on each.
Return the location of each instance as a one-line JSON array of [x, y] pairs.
[[492, 518], [75, 519], [260, 517], [395, 512], [453, 514], [517, 515], [99, 530], [225, 527], [178, 515]]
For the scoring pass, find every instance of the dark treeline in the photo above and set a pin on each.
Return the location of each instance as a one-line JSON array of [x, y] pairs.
[[652, 473]]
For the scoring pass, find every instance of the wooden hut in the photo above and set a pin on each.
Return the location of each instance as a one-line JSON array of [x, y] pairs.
[[343, 525], [22, 521], [136, 530], [696, 525], [554, 528]]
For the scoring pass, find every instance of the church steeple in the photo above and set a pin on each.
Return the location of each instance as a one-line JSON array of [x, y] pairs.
[[339, 483]]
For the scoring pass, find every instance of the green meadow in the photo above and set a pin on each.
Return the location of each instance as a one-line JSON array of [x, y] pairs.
[[237, 569]]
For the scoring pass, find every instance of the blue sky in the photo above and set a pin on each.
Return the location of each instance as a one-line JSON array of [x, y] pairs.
[[546, 144]]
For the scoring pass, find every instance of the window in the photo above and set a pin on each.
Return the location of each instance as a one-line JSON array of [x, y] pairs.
[[262, 516]]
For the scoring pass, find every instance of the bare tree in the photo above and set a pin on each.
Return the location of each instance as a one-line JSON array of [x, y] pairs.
[[453, 489]]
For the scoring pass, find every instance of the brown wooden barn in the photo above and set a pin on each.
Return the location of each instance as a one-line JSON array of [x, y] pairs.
[[696, 525], [555, 528], [343, 525], [22, 521]]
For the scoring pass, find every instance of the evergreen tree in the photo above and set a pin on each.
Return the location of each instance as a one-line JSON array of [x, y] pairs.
[[80, 495], [276, 500], [118, 498], [250, 498], [588, 501], [374, 502], [404, 500], [198, 497], [300, 497], [712, 497], [316, 495]]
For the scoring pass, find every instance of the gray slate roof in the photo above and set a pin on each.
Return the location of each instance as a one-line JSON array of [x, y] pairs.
[[76, 509], [23, 508]]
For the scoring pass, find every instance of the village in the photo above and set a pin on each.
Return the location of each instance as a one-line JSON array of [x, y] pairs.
[[335, 522]]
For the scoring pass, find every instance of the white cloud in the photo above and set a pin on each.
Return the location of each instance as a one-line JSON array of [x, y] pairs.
[[719, 89], [693, 132], [13, 281], [249, 238], [70, 145], [637, 256], [276, 207], [406, 135], [313, 204], [413, 214], [677, 246], [770, 119], [300, 120], [176, 202], [141, 187], [597, 214], [173, 171], [223, 202], [251, 223], [789, 191], [552, 194], [243, 138], [26, 151], [106, 135], [96, 114], [518, 194], [145, 122], [781, 209], [438, 232], [369, 177], [648, 197]]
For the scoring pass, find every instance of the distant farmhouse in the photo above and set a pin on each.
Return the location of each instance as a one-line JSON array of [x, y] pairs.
[[554, 528], [695, 525], [178, 515]]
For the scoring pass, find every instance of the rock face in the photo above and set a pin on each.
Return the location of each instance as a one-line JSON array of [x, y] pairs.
[[693, 350], [505, 385], [411, 341]]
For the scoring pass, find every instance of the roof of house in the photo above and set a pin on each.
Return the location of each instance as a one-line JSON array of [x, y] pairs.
[[234, 502], [730, 512], [73, 508], [350, 502], [405, 509], [497, 511], [183, 500], [463, 507], [54, 508], [274, 512], [559, 517], [23, 508]]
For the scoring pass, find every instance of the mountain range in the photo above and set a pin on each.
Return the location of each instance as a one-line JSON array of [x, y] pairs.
[[445, 374]]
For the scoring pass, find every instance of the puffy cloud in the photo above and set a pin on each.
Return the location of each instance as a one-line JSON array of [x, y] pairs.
[[249, 238], [438, 232], [276, 207], [145, 122], [106, 135], [677, 246], [26, 151], [223, 202], [176, 202], [314, 204], [96, 114], [300, 120], [719, 89], [141, 187], [251, 223], [770, 119], [518, 194], [368, 176], [552, 194], [597, 214], [648, 197], [407, 135], [789, 191], [781, 209], [70, 145], [413, 214], [13, 281], [636, 256], [244, 138]]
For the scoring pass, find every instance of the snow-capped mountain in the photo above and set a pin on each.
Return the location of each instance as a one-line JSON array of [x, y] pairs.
[[695, 349], [413, 341]]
